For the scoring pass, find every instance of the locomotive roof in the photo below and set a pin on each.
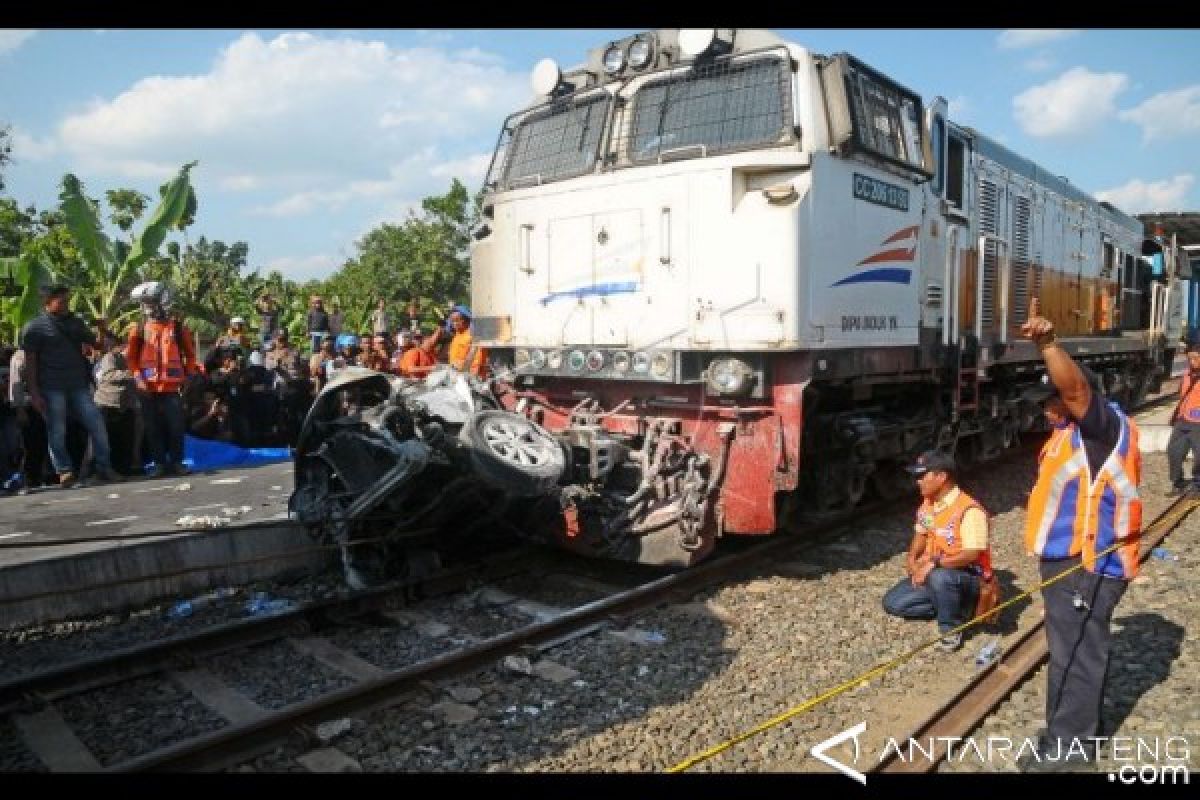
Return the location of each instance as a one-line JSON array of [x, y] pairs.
[[1184, 224], [992, 149]]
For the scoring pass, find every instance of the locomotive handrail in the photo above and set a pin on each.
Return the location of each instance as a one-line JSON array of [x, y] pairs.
[[950, 292], [1002, 290]]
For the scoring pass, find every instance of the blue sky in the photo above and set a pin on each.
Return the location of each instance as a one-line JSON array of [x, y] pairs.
[[307, 140]]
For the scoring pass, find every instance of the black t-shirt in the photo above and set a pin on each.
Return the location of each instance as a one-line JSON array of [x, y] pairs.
[[1100, 430], [59, 349], [317, 321]]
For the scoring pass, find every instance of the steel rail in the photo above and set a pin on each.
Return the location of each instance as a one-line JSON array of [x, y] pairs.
[[151, 657], [967, 709]]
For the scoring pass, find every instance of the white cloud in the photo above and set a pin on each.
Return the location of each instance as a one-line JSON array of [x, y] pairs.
[[322, 120], [11, 39], [1167, 114], [1138, 195], [239, 183], [1071, 104], [1039, 63], [469, 170], [303, 268], [301, 203], [1015, 39], [26, 146]]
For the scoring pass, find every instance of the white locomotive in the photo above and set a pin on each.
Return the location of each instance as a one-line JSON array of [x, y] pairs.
[[741, 280]]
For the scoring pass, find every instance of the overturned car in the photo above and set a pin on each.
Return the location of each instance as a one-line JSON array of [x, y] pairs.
[[383, 463]]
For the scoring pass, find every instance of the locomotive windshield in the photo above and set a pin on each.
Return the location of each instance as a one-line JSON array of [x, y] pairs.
[[727, 104], [553, 142], [715, 107]]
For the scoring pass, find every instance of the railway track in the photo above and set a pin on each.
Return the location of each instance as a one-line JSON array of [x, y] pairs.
[[247, 729], [967, 709]]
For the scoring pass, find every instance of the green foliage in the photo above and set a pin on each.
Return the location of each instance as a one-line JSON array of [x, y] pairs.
[[424, 259], [17, 227], [126, 207], [5, 152], [28, 273], [111, 271]]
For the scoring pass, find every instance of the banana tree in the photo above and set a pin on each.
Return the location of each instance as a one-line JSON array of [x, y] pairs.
[[110, 271], [25, 271]]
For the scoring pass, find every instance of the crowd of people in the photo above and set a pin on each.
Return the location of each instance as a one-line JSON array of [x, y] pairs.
[[75, 397]]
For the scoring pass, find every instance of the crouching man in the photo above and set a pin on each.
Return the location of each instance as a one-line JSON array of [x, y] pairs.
[[949, 558]]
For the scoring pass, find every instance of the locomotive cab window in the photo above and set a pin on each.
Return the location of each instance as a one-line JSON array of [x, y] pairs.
[[556, 141], [956, 172], [720, 106], [873, 114]]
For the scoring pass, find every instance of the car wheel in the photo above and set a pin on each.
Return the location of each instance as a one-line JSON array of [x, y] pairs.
[[511, 453]]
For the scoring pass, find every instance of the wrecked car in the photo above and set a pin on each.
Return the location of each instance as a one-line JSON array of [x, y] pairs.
[[384, 462]]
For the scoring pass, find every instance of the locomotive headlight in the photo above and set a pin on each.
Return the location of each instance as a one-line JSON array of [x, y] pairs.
[[576, 360], [696, 41], [641, 363], [595, 361], [538, 359], [546, 77], [729, 376], [614, 60], [554, 359], [639, 53], [521, 357], [660, 365], [621, 361]]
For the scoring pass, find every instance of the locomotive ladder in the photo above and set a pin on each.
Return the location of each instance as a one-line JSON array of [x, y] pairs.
[[966, 393]]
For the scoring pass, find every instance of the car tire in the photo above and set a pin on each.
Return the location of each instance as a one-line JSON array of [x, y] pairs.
[[513, 454]]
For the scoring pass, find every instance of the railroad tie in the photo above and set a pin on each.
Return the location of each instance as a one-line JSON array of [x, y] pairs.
[[332, 656], [233, 706], [51, 739]]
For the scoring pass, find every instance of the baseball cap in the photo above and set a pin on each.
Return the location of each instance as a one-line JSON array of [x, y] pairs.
[[933, 461]]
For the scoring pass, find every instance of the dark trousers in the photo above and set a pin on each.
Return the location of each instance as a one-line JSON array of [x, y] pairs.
[[1184, 436], [37, 448], [122, 426], [949, 595], [162, 413], [10, 444], [1079, 609]]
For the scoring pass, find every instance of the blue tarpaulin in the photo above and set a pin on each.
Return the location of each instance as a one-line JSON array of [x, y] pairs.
[[202, 454]]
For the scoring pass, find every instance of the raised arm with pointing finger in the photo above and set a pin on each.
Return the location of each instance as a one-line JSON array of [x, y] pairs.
[[1064, 373]]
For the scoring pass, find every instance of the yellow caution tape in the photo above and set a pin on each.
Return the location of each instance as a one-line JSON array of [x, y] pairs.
[[1174, 519]]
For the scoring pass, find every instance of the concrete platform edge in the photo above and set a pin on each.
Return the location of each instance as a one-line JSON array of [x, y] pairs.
[[114, 579]]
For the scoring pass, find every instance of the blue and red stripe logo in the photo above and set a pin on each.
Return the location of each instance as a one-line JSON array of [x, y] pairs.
[[900, 247]]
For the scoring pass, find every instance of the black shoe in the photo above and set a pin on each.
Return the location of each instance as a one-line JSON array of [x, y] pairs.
[[1175, 490]]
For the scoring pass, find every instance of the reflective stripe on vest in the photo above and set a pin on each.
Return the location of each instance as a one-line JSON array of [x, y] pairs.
[[1071, 514], [942, 530], [161, 362], [1189, 399]]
